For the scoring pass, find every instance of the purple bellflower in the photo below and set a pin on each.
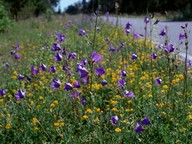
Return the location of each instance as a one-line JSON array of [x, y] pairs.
[[145, 121], [68, 86], [58, 57], [82, 32], [72, 56], [61, 37], [76, 84], [104, 82], [121, 83], [2, 92], [55, 84], [75, 94], [34, 70], [123, 73], [55, 47], [52, 69], [20, 94], [20, 77], [114, 120], [128, 94], [134, 57], [158, 81], [96, 57], [17, 56], [138, 128], [43, 67], [163, 32], [99, 71]]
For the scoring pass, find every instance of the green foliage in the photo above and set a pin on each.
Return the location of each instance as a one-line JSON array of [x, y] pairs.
[[49, 14], [5, 22]]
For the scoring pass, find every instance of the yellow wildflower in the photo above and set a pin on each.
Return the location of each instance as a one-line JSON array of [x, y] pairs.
[[117, 130], [2, 101], [89, 111], [36, 129], [8, 126], [85, 117]]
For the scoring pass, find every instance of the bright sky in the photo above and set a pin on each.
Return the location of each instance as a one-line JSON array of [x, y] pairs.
[[65, 3]]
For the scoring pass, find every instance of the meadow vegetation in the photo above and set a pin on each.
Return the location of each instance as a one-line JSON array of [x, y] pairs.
[[80, 80]]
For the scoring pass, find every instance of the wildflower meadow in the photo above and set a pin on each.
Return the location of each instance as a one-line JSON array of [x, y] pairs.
[[81, 80]]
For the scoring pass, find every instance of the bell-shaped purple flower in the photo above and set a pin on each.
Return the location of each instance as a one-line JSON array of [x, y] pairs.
[[83, 62], [43, 67], [34, 70], [76, 84], [136, 36], [12, 52], [169, 48], [82, 71], [158, 81], [82, 32], [114, 120], [121, 83], [60, 37], [103, 82], [72, 56], [2, 92], [163, 32], [134, 57], [123, 73], [58, 57], [138, 128], [128, 25], [96, 57], [17, 56], [99, 71], [153, 56], [83, 101], [55, 47], [55, 84], [68, 86], [75, 94], [52, 69], [145, 121], [146, 20], [181, 36], [20, 94], [20, 77], [128, 94]]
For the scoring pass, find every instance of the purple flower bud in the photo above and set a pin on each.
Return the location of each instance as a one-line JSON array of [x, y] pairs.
[[72, 56], [181, 36], [2, 92], [12, 52], [85, 80], [55, 84], [128, 94], [163, 32], [82, 32], [138, 128], [82, 71], [114, 120], [169, 48], [104, 82], [153, 56], [60, 37], [43, 67], [146, 20], [158, 81], [128, 25], [112, 48], [134, 57], [136, 36], [123, 73]]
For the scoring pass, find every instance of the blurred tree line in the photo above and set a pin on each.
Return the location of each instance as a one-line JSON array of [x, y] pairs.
[[178, 8], [27, 8]]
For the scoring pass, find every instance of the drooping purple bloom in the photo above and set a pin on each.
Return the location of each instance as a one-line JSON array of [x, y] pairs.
[[145, 121], [76, 84], [121, 83], [12, 52], [17, 56], [128, 25], [55, 84], [99, 71], [20, 94], [82, 32], [163, 32], [104, 82], [82, 71], [7, 64], [2, 92], [128, 94], [60, 37], [112, 48], [20, 77], [146, 20], [158, 81], [34, 70], [52, 69], [55, 47], [169, 48], [68, 86], [181, 36], [138, 128], [153, 56], [43, 67], [75, 94], [134, 57], [136, 36], [58, 57], [114, 120], [72, 56], [83, 101], [96, 57], [123, 73]]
